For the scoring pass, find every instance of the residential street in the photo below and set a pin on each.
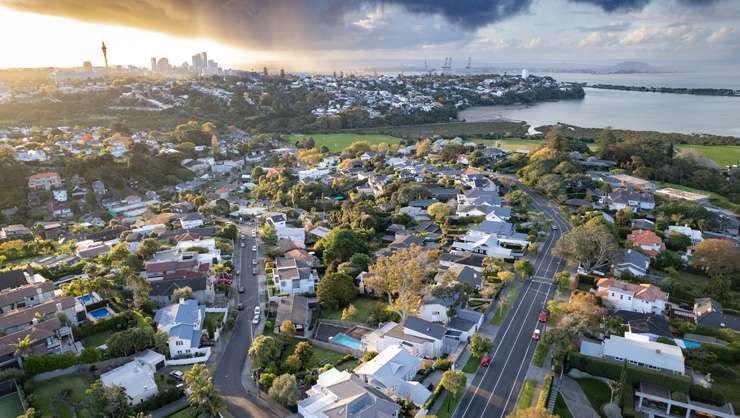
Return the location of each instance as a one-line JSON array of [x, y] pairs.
[[228, 374], [495, 389]]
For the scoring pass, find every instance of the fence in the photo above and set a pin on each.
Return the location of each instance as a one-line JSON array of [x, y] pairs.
[[190, 360], [336, 347]]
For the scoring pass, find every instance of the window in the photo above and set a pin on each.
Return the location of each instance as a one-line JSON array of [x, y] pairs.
[[621, 297]]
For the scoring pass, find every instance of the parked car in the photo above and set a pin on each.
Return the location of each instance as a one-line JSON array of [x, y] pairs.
[[177, 374], [254, 261], [485, 361], [224, 281], [241, 289], [554, 227], [542, 317], [536, 335], [243, 237], [240, 306], [254, 270], [254, 234], [257, 310], [254, 248], [256, 320], [242, 245]]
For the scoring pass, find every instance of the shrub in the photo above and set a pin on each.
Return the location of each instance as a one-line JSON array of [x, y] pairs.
[[720, 370], [613, 370], [628, 401], [442, 364], [40, 364], [266, 380], [545, 392], [702, 394], [369, 355]]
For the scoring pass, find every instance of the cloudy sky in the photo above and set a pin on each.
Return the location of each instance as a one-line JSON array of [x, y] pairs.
[[311, 33]]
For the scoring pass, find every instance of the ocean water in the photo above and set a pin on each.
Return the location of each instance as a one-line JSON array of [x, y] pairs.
[[660, 112], [703, 79]]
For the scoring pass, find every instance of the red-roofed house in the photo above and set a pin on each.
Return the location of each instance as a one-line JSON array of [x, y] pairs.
[[647, 241], [44, 181], [645, 298]]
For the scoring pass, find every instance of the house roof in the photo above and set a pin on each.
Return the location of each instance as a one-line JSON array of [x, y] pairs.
[[35, 333], [465, 274], [11, 279], [27, 315], [423, 327], [645, 323], [293, 309], [642, 350], [167, 286], [643, 291]]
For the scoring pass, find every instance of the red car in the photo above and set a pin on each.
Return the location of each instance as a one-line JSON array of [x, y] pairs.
[[543, 316], [485, 361], [224, 281], [536, 335]]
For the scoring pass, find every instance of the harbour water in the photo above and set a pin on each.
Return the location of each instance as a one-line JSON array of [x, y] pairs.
[[660, 112]]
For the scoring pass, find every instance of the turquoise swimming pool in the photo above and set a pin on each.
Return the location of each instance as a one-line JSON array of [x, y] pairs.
[[691, 344], [347, 341]]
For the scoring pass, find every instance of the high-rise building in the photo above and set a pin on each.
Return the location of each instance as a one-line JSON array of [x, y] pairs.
[[153, 62], [163, 65], [87, 66], [525, 74]]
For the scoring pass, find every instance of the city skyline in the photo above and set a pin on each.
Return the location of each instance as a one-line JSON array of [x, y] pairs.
[[319, 35]]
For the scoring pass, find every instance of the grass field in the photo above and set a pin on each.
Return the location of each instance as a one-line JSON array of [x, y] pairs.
[[448, 406], [504, 306], [96, 340], [471, 366], [338, 142], [61, 397], [363, 305], [540, 354], [597, 392], [720, 154], [10, 406], [184, 413]]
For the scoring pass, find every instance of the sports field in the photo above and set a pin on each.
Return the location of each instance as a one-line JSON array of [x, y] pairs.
[[338, 142]]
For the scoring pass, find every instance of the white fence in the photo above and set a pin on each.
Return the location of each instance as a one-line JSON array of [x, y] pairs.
[[190, 360]]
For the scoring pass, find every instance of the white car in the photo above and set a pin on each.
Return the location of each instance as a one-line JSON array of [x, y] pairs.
[[554, 227], [256, 320], [242, 245], [254, 234], [257, 310], [177, 374], [254, 261], [254, 248]]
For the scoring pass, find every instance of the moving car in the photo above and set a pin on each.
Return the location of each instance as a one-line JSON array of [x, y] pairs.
[[241, 289], [536, 335], [254, 234], [240, 306], [243, 237], [254, 270], [254, 261], [554, 227], [242, 245], [254, 248], [485, 361], [542, 317]]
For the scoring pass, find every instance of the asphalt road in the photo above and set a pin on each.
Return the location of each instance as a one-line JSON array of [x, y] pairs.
[[494, 390], [228, 375]]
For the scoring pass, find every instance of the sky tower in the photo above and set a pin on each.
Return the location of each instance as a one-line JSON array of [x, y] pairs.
[[105, 54]]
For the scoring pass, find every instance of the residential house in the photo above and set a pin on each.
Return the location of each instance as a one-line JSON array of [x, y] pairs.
[[465, 275], [646, 241], [474, 261], [630, 198], [638, 350], [44, 181], [464, 324], [23, 318], [295, 235], [47, 337], [14, 232], [402, 241], [650, 324], [18, 289], [693, 234], [343, 394], [708, 312], [294, 276], [191, 220], [182, 322], [645, 298], [627, 181], [295, 309], [201, 284], [89, 249], [478, 197], [420, 337], [136, 377], [634, 263], [392, 371], [276, 219], [644, 224], [492, 238]]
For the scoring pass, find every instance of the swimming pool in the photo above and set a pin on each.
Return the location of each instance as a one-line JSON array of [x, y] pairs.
[[86, 299], [100, 313], [691, 344], [347, 341]]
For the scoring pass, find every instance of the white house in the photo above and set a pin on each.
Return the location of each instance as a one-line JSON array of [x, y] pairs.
[[295, 235], [644, 298], [392, 371], [630, 198], [343, 394], [183, 322], [693, 234], [208, 244], [191, 220], [638, 350], [420, 337], [634, 263], [136, 377], [293, 276]]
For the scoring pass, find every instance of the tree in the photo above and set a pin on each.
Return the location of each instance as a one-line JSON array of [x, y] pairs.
[[677, 242], [268, 233], [532, 412], [623, 217], [182, 293], [336, 290], [141, 289], [523, 267], [304, 351], [439, 211], [148, 247], [106, 401], [518, 199], [264, 350], [284, 389], [591, 245], [479, 346], [340, 245], [454, 383], [717, 257], [401, 275], [349, 313], [293, 363], [287, 328], [204, 396]]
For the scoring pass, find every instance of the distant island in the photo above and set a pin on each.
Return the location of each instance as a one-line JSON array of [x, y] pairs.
[[674, 90]]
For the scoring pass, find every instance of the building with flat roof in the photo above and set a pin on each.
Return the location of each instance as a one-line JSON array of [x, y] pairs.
[[676, 194]]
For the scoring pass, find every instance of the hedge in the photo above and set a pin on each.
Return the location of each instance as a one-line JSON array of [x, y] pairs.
[[628, 401], [163, 398], [613, 370], [40, 364], [545, 392], [702, 394], [119, 322], [433, 398]]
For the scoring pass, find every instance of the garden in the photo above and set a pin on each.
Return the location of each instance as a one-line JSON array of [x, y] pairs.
[[366, 310]]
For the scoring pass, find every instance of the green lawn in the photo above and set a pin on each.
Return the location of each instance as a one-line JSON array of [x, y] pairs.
[[10, 406], [561, 409], [96, 340], [363, 305], [214, 318], [471, 366], [597, 392], [527, 395], [720, 154], [448, 406], [338, 142], [184, 413], [540, 354], [504, 305], [510, 144], [728, 388], [61, 397], [319, 354]]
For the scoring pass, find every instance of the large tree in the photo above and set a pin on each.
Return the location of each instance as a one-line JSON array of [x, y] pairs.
[[336, 290], [265, 350], [204, 396], [479, 346], [340, 245], [106, 401], [401, 276], [453, 382], [439, 211], [591, 245], [284, 389], [718, 257]]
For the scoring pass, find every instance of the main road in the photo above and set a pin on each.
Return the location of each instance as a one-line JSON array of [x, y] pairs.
[[228, 375], [494, 390]]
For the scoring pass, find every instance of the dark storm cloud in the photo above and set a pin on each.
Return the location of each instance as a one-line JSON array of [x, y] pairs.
[[309, 24]]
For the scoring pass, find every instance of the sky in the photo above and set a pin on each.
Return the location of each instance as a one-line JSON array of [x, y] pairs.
[[319, 34]]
